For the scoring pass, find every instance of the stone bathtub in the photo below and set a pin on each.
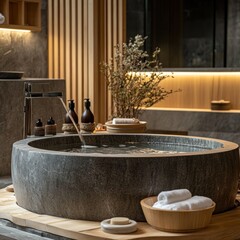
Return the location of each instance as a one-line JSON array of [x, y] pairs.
[[96, 186]]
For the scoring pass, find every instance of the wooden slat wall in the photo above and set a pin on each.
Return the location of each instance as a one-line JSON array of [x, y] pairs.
[[82, 34]]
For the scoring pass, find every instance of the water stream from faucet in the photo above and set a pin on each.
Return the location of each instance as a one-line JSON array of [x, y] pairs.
[[75, 125]]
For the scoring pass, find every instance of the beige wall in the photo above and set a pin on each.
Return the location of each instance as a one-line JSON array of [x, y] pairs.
[[200, 88], [82, 34]]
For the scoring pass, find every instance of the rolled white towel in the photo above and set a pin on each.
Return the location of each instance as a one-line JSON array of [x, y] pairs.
[[194, 203], [199, 202], [172, 206], [167, 197], [125, 121]]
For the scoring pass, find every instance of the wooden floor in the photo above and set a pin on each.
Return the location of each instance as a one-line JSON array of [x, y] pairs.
[[222, 226]]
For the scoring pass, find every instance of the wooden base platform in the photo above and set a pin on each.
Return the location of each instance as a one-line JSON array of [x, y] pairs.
[[223, 226]]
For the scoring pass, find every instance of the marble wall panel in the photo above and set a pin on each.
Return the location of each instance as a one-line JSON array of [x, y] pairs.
[[27, 52], [215, 124], [12, 113]]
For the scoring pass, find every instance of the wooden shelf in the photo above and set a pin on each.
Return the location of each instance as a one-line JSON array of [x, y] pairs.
[[203, 110], [21, 14]]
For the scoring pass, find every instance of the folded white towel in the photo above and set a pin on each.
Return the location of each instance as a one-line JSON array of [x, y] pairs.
[[194, 203], [125, 121], [167, 197]]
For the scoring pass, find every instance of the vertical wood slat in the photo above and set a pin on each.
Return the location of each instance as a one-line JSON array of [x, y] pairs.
[[73, 52], [75, 47], [109, 46], [61, 38], [68, 50], [55, 39], [50, 39], [102, 98], [91, 51], [85, 48], [93, 55], [79, 89]]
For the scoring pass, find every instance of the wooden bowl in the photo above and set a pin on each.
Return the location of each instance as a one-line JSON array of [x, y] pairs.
[[175, 221], [220, 105]]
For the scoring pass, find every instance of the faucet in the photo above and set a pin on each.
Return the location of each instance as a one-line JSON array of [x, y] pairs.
[[29, 95]]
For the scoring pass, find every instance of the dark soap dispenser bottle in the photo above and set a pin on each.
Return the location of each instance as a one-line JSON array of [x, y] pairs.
[[72, 112], [39, 128], [51, 127], [87, 116]]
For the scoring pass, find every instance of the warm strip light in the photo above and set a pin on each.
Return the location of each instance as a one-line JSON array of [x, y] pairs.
[[15, 30], [189, 73], [204, 73]]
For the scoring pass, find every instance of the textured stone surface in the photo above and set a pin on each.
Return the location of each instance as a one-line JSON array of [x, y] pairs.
[[215, 124], [11, 114], [99, 186], [11, 231], [27, 52], [5, 181]]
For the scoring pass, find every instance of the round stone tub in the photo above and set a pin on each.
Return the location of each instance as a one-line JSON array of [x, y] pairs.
[[97, 186]]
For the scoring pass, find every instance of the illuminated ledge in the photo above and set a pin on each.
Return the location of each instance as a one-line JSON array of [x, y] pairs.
[[191, 110], [197, 71], [15, 30], [201, 70]]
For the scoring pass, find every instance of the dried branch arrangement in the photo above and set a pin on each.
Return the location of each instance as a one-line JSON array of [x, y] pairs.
[[134, 81]]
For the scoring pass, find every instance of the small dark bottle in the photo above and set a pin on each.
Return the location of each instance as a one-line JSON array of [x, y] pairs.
[[72, 112], [51, 127], [39, 129], [87, 116]]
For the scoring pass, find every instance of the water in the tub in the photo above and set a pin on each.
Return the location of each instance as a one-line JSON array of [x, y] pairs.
[[137, 148]]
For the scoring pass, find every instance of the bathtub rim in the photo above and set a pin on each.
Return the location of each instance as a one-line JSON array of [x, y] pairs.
[[24, 144]]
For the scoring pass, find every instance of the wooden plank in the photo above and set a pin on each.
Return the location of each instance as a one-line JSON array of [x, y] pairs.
[[102, 56], [80, 55], [50, 39], [61, 39], [55, 40], [92, 55], [85, 49], [73, 48], [71, 228], [20, 218], [109, 46], [68, 49], [41, 222]]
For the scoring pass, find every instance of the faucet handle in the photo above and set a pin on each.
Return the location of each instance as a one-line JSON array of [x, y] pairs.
[[28, 87]]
